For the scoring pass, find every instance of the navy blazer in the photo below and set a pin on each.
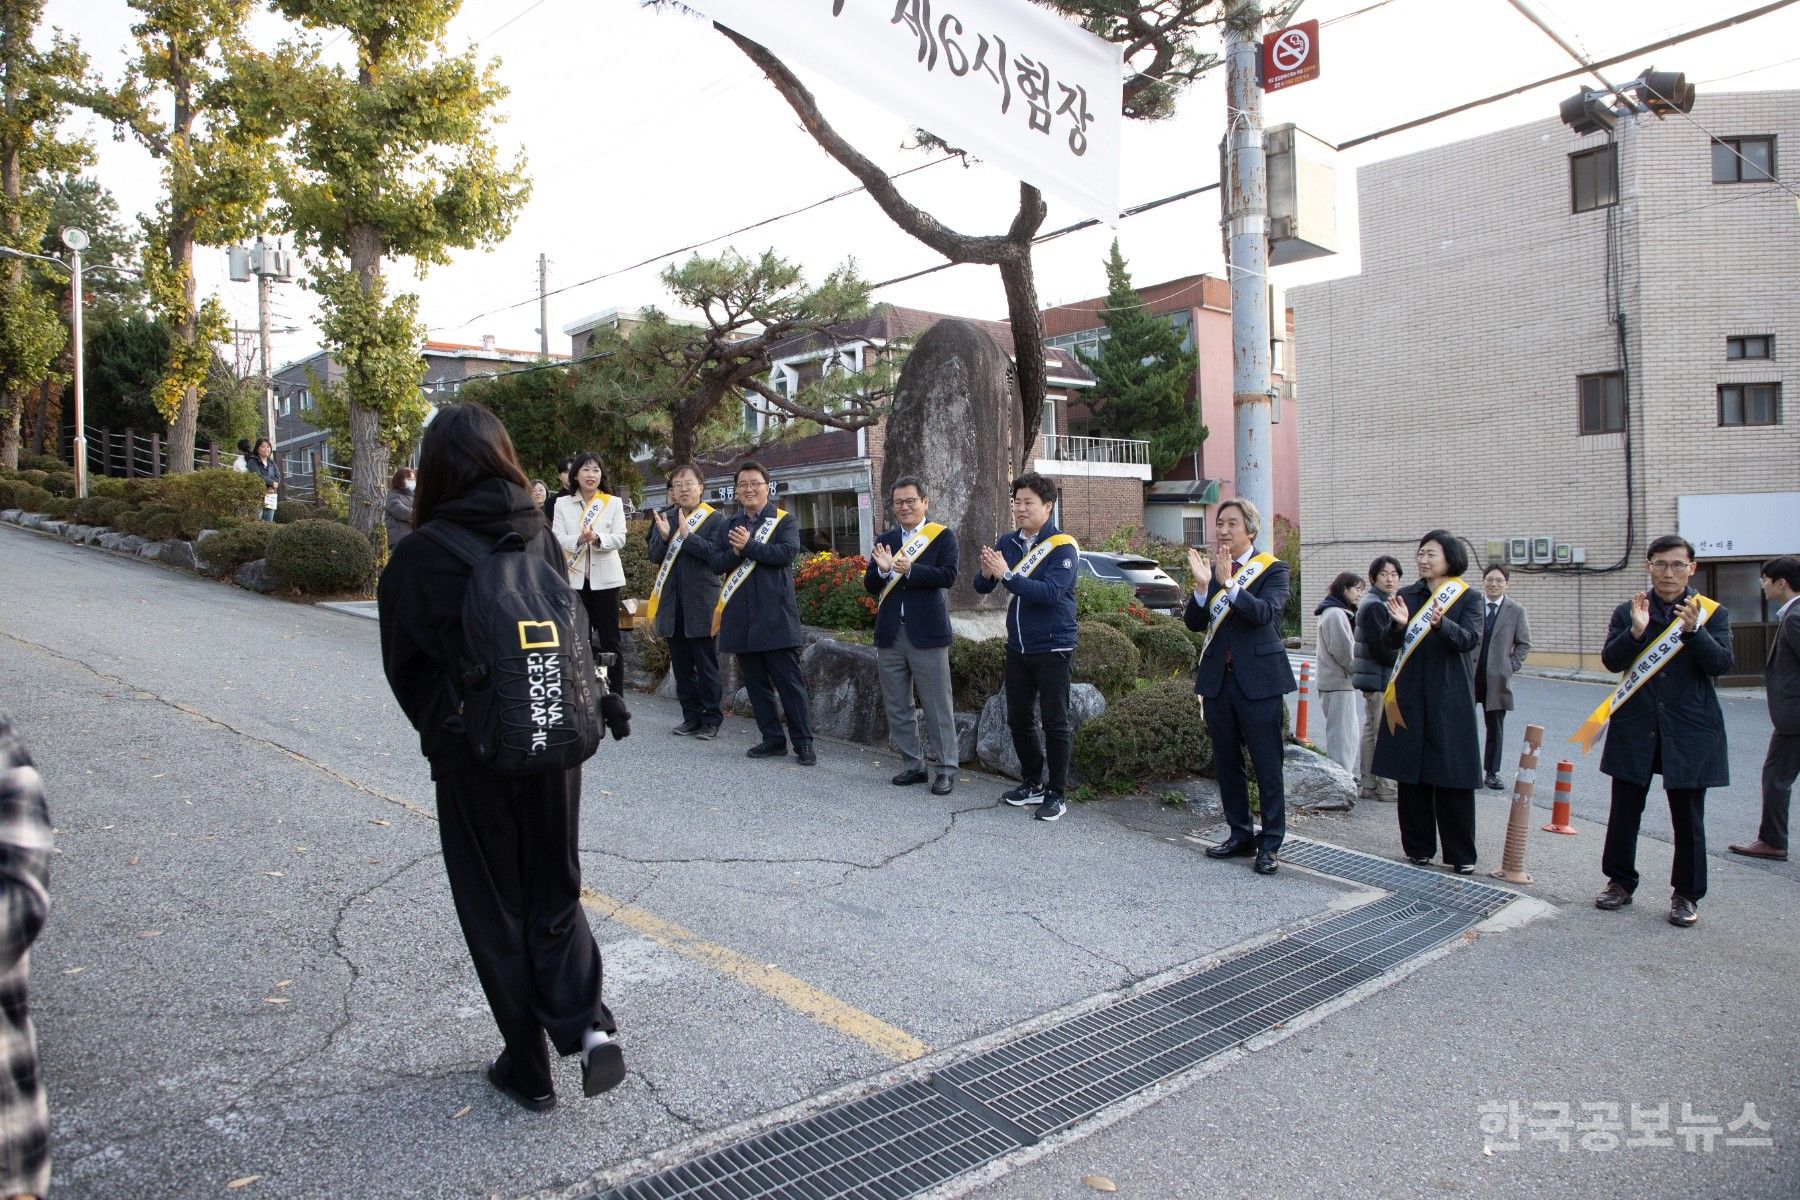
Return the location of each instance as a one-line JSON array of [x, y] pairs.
[[1041, 616], [1251, 635], [763, 614], [693, 588], [918, 600], [1678, 707]]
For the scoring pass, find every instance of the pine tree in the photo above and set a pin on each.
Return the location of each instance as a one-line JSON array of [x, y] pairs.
[[1145, 377]]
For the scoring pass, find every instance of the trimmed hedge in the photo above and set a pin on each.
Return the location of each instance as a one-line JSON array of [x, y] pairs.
[[99, 510], [231, 548], [321, 556], [977, 670], [214, 496], [1157, 732], [1125, 623], [7, 488], [41, 462], [58, 507], [1106, 658], [33, 476], [106, 487], [1165, 648], [30, 497], [292, 512]]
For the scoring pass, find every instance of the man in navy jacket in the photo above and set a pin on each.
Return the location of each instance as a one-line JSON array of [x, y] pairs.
[[912, 632], [761, 622], [1242, 676], [1037, 564]]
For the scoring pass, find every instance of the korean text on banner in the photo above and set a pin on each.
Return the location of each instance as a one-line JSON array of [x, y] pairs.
[[1009, 82]]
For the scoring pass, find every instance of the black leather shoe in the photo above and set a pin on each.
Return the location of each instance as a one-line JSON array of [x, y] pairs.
[[803, 753], [908, 778], [685, 728], [1232, 848], [602, 1069], [1265, 862], [1683, 913], [942, 785], [1492, 783], [1612, 898], [499, 1073], [767, 750]]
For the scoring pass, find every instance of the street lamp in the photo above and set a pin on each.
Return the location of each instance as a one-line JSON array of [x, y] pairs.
[[76, 240]]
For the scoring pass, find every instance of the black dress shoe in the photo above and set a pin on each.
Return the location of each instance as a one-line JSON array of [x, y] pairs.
[[1232, 848], [1265, 862], [602, 1069], [685, 728], [1492, 783], [803, 753], [499, 1073], [942, 785], [910, 777], [767, 750]]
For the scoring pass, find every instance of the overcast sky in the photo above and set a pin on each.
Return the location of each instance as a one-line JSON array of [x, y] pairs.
[[645, 131]]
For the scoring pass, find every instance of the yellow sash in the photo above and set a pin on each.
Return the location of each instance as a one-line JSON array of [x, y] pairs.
[[1220, 607], [1041, 551], [589, 515], [1654, 658], [763, 533], [915, 545], [694, 520], [1416, 629]]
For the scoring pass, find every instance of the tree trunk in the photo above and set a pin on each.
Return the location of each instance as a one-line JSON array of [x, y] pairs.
[[368, 453], [1019, 277], [12, 398]]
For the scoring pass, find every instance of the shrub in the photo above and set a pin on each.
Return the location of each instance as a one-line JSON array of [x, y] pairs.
[[158, 526], [7, 488], [33, 476], [133, 520], [653, 652], [977, 670], [321, 556], [293, 511], [1157, 732], [213, 496], [640, 572], [60, 483], [230, 549], [327, 496], [1125, 623], [140, 491], [830, 592], [1164, 649], [1096, 596], [106, 486], [30, 497], [1105, 658], [41, 462], [98, 510], [59, 507]]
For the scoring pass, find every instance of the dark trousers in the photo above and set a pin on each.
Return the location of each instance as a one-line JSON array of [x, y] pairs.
[[1779, 771], [1496, 734], [1687, 812], [1037, 689], [1236, 723], [510, 852], [603, 620], [695, 662], [1430, 814], [767, 673]]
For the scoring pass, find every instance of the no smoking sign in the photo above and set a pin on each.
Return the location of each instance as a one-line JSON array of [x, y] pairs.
[[1290, 56]]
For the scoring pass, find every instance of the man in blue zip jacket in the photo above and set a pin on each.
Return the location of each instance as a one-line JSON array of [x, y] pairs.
[[910, 568], [1037, 564]]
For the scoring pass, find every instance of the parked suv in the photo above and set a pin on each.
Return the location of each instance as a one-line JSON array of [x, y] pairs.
[[1154, 588]]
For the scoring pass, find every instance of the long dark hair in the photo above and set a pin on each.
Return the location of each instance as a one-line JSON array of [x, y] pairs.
[[464, 444]]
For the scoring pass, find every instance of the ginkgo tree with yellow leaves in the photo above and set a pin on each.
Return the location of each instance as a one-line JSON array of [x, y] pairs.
[[394, 158]]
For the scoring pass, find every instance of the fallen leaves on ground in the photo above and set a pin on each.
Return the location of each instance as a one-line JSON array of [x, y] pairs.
[[242, 1181], [1100, 1183], [462, 1112]]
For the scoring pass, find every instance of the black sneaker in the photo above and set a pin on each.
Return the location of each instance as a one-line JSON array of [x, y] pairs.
[[685, 728], [767, 750], [1052, 808], [707, 733], [805, 756], [1023, 795]]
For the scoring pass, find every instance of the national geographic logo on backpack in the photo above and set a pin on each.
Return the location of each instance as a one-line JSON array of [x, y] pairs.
[[544, 679], [539, 635]]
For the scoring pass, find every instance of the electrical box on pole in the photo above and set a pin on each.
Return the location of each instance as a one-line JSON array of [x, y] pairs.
[[1302, 195]]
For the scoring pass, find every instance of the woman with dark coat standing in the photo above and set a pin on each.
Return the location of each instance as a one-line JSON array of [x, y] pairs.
[[1433, 750], [509, 841]]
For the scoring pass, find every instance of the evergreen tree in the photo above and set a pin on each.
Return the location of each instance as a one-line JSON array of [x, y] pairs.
[[1145, 376]]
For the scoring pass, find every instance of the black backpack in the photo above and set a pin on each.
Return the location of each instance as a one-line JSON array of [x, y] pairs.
[[528, 693]]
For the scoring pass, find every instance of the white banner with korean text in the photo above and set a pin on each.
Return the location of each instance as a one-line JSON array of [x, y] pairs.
[[1011, 83]]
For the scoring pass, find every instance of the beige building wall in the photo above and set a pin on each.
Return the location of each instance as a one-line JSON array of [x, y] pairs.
[[1440, 383]]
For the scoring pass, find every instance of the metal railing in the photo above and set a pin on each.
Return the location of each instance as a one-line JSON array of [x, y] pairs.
[[1062, 447]]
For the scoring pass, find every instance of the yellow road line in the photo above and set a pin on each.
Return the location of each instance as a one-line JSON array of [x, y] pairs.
[[797, 994]]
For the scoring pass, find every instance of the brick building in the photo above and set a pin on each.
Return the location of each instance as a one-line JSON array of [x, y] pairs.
[[1472, 376]]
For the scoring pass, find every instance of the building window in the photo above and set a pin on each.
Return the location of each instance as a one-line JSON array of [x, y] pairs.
[[1760, 346], [1602, 402], [1750, 404], [1743, 160], [306, 400], [1594, 178]]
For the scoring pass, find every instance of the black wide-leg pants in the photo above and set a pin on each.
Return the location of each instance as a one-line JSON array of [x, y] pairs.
[[510, 852]]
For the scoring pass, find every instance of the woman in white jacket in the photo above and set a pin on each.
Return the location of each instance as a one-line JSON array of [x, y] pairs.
[[590, 526], [1337, 695]]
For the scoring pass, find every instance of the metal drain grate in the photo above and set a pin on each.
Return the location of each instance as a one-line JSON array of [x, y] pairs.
[[914, 1136]]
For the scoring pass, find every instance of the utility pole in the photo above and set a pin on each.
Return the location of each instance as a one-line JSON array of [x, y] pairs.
[[270, 265], [543, 306], [1247, 257], [262, 333]]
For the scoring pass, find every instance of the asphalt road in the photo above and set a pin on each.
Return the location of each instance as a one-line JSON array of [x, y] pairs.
[[252, 968]]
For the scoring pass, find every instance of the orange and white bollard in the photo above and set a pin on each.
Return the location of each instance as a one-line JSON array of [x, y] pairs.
[[1559, 810], [1518, 820], [1300, 710]]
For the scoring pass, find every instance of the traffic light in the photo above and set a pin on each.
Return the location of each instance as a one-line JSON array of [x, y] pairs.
[[1666, 92], [1588, 112]]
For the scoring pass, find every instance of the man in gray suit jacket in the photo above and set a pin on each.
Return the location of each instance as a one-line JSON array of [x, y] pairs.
[[1781, 679], [1505, 640]]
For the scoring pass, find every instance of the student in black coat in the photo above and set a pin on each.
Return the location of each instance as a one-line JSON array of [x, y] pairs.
[[761, 622], [509, 841], [1435, 756], [1671, 726], [684, 609]]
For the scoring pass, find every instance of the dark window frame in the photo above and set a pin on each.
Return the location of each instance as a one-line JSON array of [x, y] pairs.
[[1742, 343], [1605, 197], [1743, 401], [1739, 160], [1610, 401]]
